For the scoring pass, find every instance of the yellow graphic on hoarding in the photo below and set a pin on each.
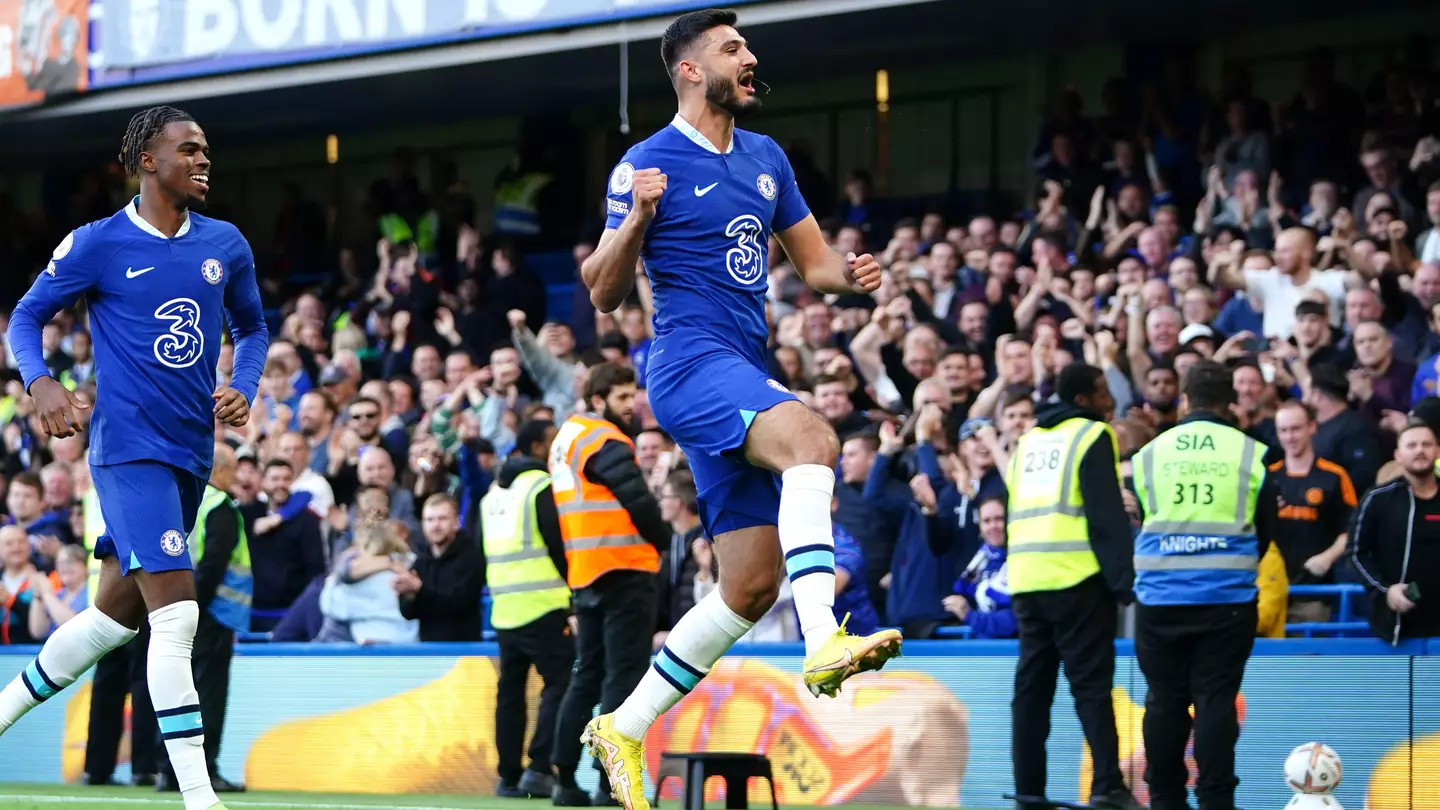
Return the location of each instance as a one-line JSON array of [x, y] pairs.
[[1401, 781], [438, 738], [77, 734]]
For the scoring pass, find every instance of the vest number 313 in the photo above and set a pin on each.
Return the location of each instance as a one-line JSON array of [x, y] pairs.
[[1203, 494]]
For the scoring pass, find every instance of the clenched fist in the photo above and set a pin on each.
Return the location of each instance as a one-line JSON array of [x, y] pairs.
[[646, 187], [864, 272]]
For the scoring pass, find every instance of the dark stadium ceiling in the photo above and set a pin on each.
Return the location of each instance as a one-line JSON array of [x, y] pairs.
[[857, 43]]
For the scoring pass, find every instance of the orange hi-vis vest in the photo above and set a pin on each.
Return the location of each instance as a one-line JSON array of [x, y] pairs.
[[599, 535]]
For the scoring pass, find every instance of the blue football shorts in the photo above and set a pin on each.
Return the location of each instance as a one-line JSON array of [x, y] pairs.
[[705, 397], [149, 508]]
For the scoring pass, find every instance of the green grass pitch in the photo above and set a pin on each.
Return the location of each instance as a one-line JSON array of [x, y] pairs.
[[69, 797]]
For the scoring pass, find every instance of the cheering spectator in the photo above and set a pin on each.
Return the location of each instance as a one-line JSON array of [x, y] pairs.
[[286, 551], [57, 598], [17, 587], [442, 587], [1277, 291], [982, 596], [293, 448], [359, 599], [375, 469], [1380, 383], [48, 530]]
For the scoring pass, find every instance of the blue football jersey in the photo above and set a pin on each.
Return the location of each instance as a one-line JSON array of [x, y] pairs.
[[705, 250], [156, 307]]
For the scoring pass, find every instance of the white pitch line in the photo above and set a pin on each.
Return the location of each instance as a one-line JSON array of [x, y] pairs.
[[229, 802]]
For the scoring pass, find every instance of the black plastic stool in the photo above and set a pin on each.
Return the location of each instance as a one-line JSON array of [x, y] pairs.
[[695, 768]]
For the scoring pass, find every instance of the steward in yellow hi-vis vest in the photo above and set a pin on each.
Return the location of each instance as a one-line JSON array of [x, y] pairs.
[[1210, 517], [529, 609], [94, 527], [1069, 564]]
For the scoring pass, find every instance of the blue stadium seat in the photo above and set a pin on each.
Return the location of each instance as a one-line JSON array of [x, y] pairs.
[[954, 631]]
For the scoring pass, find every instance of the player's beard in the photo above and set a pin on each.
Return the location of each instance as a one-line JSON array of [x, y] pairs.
[[626, 426], [724, 93]]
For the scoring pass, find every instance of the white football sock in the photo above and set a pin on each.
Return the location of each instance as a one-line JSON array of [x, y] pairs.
[[72, 649], [806, 492], [698, 640], [177, 704]]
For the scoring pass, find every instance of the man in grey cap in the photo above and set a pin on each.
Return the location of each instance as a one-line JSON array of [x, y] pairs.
[[338, 383]]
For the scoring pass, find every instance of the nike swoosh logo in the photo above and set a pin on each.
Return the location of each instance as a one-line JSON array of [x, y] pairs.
[[131, 272], [701, 192]]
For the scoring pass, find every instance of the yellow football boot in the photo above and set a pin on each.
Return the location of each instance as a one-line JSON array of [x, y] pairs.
[[844, 655], [623, 759]]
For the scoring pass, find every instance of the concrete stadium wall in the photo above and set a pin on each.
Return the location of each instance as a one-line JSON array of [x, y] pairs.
[[932, 729]]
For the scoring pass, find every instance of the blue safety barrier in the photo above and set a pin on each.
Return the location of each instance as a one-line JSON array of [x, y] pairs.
[[1344, 623]]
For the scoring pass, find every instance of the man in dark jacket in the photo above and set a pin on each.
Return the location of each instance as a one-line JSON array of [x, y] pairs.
[[872, 514], [1344, 436], [1070, 565], [523, 555], [616, 588], [286, 549], [442, 588], [678, 505], [1395, 543]]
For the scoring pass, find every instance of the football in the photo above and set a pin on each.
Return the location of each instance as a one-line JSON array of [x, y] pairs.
[[1313, 768], [1312, 801]]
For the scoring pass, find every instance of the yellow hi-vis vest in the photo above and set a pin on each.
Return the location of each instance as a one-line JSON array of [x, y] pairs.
[[94, 527], [524, 582], [1049, 537], [231, 605], [517, 204]]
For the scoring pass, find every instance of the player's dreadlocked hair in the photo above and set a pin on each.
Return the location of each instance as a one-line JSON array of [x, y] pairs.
[[144, 128]]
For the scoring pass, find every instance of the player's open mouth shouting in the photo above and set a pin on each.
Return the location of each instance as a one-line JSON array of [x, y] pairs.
[[747, 82]]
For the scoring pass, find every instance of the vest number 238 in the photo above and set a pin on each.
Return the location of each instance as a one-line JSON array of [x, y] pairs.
[[1203, 494], [1042, 461]]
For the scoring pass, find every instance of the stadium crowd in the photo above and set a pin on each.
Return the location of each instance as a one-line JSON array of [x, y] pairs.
[[1296, 240]]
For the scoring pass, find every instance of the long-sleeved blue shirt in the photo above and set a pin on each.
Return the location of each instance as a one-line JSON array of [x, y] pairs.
[[157, 305], [955, 528], [855, 598], [919, 579]]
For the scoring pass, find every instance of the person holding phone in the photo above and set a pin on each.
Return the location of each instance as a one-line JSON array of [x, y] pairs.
[[1395, 543]]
